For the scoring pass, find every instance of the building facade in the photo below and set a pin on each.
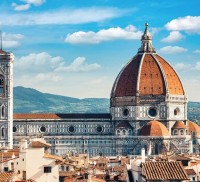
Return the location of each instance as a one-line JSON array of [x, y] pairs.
[[148, 108]]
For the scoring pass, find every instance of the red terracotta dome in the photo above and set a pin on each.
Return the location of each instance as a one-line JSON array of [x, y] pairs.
[[179, 125], [147, 74], [154, 128], [193, 127]]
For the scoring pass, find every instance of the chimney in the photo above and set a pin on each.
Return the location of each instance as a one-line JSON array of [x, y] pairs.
[[143, 155], [23, 144]]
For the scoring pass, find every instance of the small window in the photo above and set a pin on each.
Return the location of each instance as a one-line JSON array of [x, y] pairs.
[[182, 132], [43, 129], [99, 129], [47, 169], [14, 129], [152, 112], [71, 129], [175, 132], [6, 169], [125, 112], [176, 112]]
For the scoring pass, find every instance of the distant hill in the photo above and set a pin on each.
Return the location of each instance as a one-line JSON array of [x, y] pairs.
[[28, 100]]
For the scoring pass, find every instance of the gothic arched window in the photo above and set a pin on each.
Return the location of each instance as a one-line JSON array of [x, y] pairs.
[[2, 132], [1, 85], [3, 111]]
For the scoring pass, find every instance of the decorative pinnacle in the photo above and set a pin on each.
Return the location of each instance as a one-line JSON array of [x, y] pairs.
[[146, 24]]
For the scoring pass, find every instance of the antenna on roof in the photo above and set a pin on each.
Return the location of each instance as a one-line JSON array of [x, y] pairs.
[[1, 40]]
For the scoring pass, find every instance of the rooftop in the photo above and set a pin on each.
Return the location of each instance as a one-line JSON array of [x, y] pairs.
[[26, 116], [154, 128], [164, 171]]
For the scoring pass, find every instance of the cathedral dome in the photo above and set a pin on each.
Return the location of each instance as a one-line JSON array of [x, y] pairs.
[[193, 127], [154, 128], [146, 85], [179, 125], [123, 125], [147, 74]]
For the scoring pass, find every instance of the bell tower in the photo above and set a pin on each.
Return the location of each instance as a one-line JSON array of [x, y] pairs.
[[6, 98]]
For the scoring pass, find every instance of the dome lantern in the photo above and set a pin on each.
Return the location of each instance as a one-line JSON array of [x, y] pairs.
[[146, 40]]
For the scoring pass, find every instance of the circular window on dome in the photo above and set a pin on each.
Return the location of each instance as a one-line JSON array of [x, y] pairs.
[[43, 129], [125, 112], [14, 129], [71, 129], [99, 129], [176, 112], [152, 112]]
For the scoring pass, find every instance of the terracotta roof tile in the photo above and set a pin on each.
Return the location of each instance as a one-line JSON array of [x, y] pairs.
[[173, 81], [193, 127], [190, 172], [39, 144], [50, 156], [179, 157], [6, 176], [164, 171], [154, 128], [180, 124], [59, 116], [151, 77], [126, 82]]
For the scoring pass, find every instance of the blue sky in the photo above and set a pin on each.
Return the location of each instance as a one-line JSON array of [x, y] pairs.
[[77, 48]]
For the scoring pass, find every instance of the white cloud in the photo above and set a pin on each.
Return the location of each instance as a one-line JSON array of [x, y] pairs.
[[190, 24], [197, 66], [27, 5], [197, 51], [99, 80], [173, 37], [45, 63], [11, 40], [34, 2], [38, 63], [172, 50], [65, 16], [79, 65], [154, 30], [22, 7], [48, 77], [52, 74], [130, 32], [182, 66]]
